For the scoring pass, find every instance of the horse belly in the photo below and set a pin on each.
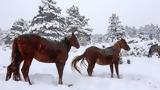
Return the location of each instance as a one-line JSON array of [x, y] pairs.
[[103, 61], [42, 57]]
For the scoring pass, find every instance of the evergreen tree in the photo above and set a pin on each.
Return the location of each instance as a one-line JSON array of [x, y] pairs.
[[157, 32], [130, 31], [49, 22], [78, 24], [115, 29], [19, 27], [1, 33], [97, 38], [1, 36], [149, 31]]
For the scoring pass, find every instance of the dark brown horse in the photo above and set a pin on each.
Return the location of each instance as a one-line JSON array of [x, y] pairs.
[[94, 55], [28, 46], [154, 49]]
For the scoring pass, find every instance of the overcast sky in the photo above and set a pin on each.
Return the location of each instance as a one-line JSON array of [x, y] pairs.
[[130, 12]]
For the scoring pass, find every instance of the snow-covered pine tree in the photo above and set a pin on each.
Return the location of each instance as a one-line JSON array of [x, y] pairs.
[[78, 24], [19, 27], [1, 33], [151, 31], [148, 32], [130, 31], [115, 29], [49, 22], [97, 38], [157, 33]]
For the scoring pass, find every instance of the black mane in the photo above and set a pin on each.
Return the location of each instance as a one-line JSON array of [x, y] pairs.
[[66, 43]]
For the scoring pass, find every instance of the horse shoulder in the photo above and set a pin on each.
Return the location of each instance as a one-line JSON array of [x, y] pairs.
[[62, 55]]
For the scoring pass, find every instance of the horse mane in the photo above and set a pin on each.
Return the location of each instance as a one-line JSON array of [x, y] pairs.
[[65, 42]]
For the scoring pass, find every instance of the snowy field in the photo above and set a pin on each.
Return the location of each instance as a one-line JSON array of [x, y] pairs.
[[142, 74]]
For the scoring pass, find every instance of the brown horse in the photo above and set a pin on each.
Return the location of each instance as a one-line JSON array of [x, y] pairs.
[[95, 55], [29, 46]]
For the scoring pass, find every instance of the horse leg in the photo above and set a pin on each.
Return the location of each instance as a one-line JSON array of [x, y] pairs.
[[60, 67], [16, 74], [111, 68], [90, 68], [10, 70], [159, 54], [117, 70], [25, 70]]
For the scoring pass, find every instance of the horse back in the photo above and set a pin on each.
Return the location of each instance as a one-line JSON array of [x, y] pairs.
[[107, 51]]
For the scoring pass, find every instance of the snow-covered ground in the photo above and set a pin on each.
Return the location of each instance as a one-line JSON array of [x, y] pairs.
[[142, 74]]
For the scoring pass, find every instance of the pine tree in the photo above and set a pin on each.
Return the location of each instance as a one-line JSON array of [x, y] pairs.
[[78, 24], [97, 38], [130, 31], [1, 32], [115, 29], [157, 36], [19, 27], [149, 31], [1, 36], [49, 22]]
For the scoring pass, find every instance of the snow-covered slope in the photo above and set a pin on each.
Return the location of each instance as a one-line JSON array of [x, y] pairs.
[[140, 47], [142, 74]]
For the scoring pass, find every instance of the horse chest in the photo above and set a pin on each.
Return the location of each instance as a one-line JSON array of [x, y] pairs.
[[62, 57]]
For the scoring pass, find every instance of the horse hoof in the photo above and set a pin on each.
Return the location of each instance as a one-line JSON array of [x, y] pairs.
[[7, 78], [111, 75], [30, 83], [60, 83], [28, 80], [118, 77]]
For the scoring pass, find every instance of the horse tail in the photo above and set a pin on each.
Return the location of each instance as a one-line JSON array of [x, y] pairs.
[[76, 60], [15, 62], [15, 57], [83, 63]]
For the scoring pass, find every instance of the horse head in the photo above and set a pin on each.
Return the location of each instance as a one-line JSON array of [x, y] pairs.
[[153, 48], [73, 41], [124, 44]]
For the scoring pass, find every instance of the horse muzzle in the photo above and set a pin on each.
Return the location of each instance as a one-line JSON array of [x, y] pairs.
[[78, 46], [128, 48]]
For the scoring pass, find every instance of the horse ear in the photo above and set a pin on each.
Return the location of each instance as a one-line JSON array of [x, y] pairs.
[[119, 39], [73, 34], [122, 39]]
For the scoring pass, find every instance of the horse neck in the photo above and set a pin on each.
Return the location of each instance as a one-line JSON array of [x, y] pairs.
[[66, 44], [117, 47]]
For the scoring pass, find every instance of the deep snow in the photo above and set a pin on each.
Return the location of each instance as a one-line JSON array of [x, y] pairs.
[[142, 74]]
